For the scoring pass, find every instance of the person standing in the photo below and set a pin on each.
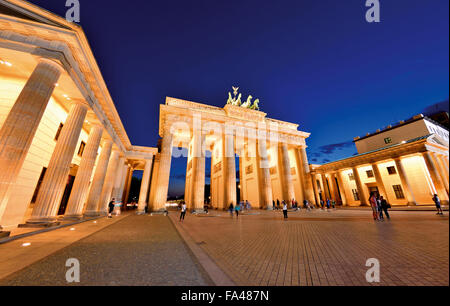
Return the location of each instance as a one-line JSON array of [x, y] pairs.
[[437, 202], [328, 204], [285, 210], [278, 204], [380, 211], [183, 211], [110, 208], [273, 204], [333, 204], [373, 204], [321, 204], [237, 208], [231, 208], [384, 206]]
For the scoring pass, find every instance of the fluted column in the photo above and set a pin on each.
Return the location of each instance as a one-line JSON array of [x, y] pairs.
[[359, 186], [95, 192], [108, 186], [265, 182], [441, 170], [118, 179], [432, 169], [341, 188], [84, 174], [326, 189], [144, 186], [316, 189], [55, 179], [19, 127], [162, 185], [128, 184], [405, 182], [288, 186], [379, 180], [308, 184], [443, 160], [230, 169], [198, 172]]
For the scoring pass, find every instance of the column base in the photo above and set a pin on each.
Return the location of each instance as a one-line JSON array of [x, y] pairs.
[[4, 234], [158, 212], [140, 212], [89, 214], [72, 217], [198, 211], [40, 223]]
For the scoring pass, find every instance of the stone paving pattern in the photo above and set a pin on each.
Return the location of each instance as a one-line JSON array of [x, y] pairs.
[[138, 250], [325, 248]]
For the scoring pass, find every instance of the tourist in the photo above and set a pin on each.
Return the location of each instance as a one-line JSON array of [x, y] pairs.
[[231, 208], [328, 204], [285, 210], [110, 208], [373, 204], [296, 206], [237, 208], [333, 204], [437, 202], [183, 211], [247, 203], [205, 207], [278, 204], [273, 204], [380, 211], [305, 203], [384, 206]]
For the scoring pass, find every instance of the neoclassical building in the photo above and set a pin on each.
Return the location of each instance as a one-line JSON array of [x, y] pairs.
[[64, 153], [63, 149], [406, 163]]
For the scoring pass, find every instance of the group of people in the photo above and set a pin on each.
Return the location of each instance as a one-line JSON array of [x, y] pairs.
[[379, 204], [241, 206]]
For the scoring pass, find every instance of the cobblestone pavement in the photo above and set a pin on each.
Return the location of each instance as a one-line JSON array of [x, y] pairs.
[[325, 248], [138, 250]]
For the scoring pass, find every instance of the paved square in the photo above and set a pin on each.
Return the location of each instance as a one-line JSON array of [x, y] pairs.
[[324, 248]]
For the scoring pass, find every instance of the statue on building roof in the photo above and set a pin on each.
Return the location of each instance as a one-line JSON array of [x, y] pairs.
[[237, 100]]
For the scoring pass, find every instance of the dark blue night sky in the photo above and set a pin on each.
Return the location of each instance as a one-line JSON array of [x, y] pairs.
[[317, 63]]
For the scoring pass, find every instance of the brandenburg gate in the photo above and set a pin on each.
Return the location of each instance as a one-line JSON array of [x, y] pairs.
[[273, 164]]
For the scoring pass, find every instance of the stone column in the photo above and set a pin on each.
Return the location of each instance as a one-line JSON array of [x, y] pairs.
[[128, 184], [19, 128], [121, 190], [359, 187], [325, 184], [144, 186], [92, 208], [286, 179], [162, 185], [405, 182], [334, 188], [438, 184], [308, 184], [379, 180], [265, 182], [198, 172], [84, 174], [55, 179], [315, 188], [229, 169], [118, 178], [108, 186], [441, 170], [445, 167], [341, 188]]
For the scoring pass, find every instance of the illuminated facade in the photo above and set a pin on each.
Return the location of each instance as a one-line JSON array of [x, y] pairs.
[[407, 164]]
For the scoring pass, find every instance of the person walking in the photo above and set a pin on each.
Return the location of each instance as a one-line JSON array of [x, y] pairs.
[[385, 206], [373, 204], [285, 210], [437, 202], [237, 208], [183, 211], [380, 211], [231, 208], [110, 208], [278, 204], [273, 204], [328, 204], [333, 204], [247, 204], [321, 204]]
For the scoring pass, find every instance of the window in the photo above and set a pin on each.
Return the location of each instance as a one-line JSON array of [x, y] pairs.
[[369, 173], [59, 131], [81, 149], [398, 191], [388, 140], [391, 170], [38, 185], [351, 177], [355, 194]]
